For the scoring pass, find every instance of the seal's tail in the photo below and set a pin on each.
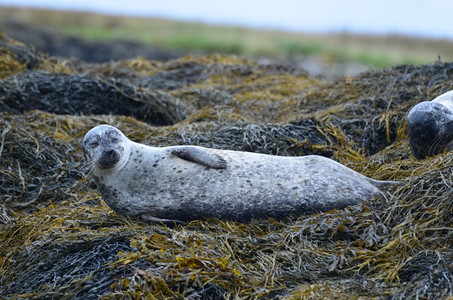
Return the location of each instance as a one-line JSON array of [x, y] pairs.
[[384, 185]]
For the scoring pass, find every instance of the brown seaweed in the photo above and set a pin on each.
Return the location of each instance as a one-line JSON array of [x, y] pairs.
[[60, 240], [372, 107], [82, 95]]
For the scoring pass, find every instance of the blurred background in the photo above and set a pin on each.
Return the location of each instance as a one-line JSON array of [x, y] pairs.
[[328, 38]]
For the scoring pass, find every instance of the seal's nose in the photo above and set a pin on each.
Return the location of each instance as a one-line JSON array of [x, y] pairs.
[[109, 153], [108, 158]]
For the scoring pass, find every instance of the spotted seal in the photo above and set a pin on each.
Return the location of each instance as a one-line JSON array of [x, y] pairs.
[[183, 183], [430, 126]]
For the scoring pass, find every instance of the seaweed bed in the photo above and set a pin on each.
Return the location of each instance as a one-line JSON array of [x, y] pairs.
[[60, 240]]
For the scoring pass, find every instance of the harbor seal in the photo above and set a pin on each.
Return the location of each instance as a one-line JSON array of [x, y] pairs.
[[183, 183], [430, 126]]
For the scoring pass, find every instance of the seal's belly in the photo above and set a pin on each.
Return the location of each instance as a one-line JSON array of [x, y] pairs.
[[252, 186]]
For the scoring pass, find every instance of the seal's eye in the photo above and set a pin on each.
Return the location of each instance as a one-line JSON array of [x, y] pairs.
[[93, 144]]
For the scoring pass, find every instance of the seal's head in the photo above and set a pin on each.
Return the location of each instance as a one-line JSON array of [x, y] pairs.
[[430, 127], [106, 147]]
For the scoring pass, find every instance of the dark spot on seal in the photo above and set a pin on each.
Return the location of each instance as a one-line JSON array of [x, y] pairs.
[[154, 165], [102, 188]]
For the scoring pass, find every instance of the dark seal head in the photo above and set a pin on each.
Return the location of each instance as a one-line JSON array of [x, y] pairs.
[[430, 126], [105, 146]]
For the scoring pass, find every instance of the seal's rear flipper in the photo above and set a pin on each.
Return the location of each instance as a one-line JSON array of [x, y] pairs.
[[384, 185], [201, 156], [151, 219]]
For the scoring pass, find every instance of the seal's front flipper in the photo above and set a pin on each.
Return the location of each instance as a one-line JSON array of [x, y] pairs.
[[151, 219], [201, 156]]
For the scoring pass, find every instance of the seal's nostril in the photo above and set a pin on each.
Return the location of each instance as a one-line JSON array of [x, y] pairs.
[[109, 152]]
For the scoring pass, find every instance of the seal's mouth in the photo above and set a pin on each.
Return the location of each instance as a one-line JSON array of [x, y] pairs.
[[108, 159]]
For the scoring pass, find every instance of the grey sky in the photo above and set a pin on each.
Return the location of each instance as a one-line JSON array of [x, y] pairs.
[[431, 18]]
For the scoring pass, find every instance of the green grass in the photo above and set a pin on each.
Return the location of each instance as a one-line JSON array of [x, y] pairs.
[[94, 33], [375, 51], [195, 42], [294, 48]]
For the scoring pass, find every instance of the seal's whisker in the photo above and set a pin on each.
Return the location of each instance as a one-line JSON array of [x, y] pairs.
[[434, 145], [88, 167]]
